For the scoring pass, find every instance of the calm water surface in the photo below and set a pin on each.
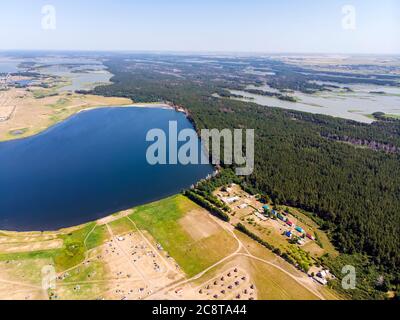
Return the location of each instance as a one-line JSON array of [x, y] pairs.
[[88, 167]]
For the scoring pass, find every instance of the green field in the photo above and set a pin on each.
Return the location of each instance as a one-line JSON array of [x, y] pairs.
[[161, 220], [72, 253], [97, 237], [121, 226]]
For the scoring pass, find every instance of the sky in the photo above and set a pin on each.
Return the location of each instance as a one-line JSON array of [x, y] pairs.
[[270, 26]]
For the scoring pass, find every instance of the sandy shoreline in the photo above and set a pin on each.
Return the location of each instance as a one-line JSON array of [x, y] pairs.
[[150, 105]]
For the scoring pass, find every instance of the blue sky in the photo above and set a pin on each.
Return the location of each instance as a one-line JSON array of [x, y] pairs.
[[203, 25]]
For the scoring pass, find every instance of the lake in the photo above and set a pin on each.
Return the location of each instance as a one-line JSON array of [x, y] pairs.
[[82, 77], [82, 73], [357, 105], [8, 65], [87, 167]]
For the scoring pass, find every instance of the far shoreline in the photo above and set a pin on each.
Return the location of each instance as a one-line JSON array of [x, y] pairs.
[[145, 105], [149, 105]]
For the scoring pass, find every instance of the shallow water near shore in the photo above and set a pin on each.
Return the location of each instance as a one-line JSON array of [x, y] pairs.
[[87, 167], [356, 105]]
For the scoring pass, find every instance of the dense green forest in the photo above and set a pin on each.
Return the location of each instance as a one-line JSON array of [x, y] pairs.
[[355, 190]]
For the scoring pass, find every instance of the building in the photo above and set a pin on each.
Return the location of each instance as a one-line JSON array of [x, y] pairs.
[[282, 218], [322, 276], [321, 281], [232, 200], [299, 229], [309, 236], [300, 242]]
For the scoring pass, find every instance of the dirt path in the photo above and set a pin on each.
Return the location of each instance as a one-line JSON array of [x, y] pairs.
[[22, 284]]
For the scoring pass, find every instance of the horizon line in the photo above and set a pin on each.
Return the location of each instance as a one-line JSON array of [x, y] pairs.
[[201, 52]]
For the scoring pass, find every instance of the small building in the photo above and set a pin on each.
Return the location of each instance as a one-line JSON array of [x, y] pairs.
[[309, 236], [299, 229], [266, 208], [282, 218], [322, 281], [300, 242], [232, 200]]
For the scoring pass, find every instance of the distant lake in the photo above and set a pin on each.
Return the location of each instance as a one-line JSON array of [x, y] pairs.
[[82, 77], [87, 167], [357, 105], [23, 83], [8, 65]]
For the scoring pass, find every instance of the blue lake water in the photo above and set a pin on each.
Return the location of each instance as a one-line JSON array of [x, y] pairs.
[[87, 167], [8, 65], [23, 83]]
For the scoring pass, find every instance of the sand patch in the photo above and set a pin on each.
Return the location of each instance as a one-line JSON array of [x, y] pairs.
[[114, 217], [199, 225]]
